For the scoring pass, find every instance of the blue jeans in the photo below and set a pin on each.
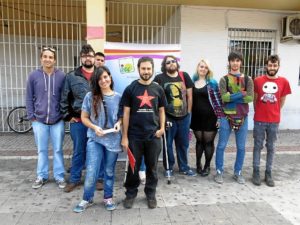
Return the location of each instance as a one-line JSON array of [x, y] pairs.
[[79, 137], [96, 153], [178, 132], [260, 131], [101, 171], [42, 133], [143, 166], [240, 139]]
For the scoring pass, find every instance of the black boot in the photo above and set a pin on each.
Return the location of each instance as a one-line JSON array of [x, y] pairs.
[[198, 164], [256, 177], [268, 178], [205, 171]]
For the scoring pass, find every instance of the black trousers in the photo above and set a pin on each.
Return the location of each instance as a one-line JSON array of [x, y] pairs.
[[150, 149]]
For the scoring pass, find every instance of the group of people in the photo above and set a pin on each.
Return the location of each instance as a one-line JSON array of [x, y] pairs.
[[104, 123]]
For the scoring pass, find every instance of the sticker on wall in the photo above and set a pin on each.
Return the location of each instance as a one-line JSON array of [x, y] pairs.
[[126, 65]]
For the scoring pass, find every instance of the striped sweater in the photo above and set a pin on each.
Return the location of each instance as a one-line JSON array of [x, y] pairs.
[[235, 95]]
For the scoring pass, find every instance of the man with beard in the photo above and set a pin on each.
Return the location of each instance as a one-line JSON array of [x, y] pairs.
[[270, 91], [143, 126], [75, 88], [236, 91], [178, 90]]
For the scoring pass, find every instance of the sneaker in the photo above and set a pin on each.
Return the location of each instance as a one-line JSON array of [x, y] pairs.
[[256, 177], [152, 203], [239, 178], [109, 204], [219, 177], [70, 187], [169, 173], [268, 178], [128, 202], [189, 173], [39, 182], [61, 183], [142, 176], [99, 185], [82, 206]]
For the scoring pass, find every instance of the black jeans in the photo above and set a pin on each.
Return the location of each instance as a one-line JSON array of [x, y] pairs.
[[150, 149]]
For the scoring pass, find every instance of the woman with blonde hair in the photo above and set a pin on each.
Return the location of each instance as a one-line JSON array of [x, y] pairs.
[[206, 111]]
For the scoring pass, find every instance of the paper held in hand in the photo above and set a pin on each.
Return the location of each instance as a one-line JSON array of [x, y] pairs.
[[111, 130]]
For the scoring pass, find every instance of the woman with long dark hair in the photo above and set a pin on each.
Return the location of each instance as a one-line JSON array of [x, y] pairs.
[[100, 115], [205, 114]]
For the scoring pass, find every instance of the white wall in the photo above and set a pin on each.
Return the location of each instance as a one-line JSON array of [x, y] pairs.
[[204, 35]]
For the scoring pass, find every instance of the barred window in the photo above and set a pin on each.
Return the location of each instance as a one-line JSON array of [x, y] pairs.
[[255, 44], [142, 23]]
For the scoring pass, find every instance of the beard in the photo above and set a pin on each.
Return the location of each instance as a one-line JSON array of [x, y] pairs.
[[272, 74], [88, 64], [145, 77], [172, 70]]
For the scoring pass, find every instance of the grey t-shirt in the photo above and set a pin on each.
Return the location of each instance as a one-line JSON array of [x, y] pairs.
[[111, 141]]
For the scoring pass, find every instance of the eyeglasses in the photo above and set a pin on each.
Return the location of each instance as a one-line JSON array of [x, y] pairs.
[[171, 61], [87, 56], [49, 49]]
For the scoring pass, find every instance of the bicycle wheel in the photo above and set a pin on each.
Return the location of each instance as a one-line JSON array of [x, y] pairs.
[[17, 120]]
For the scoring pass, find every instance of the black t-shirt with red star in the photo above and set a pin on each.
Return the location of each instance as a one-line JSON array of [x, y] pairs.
[[144, 102]]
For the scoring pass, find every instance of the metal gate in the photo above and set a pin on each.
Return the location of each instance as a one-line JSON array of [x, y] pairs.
[[25, 27], [142, 23]]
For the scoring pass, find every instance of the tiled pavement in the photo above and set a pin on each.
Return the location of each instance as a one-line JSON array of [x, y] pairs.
[[186, 201]]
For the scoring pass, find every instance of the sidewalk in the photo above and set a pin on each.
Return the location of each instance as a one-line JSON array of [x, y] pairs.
[[186, 201], [22, 146]]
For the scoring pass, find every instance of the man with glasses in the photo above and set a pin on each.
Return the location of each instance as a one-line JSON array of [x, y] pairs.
[[178, 90], [43, 95], [99, 59], [75, 88]]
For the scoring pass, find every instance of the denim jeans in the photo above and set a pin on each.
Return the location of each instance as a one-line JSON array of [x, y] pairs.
[[101, 171], [150, 149], [79, 137], [56, 133], [178, 132], [260, 131], [96, 153], [143, 166], [240, 140]]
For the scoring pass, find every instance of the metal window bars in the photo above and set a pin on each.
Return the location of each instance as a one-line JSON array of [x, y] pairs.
[[255, 44]]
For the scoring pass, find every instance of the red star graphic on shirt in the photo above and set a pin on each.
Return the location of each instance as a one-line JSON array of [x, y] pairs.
[[146, 99]]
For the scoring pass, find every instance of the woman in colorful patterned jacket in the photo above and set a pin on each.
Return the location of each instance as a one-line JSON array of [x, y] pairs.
[[206, 112]]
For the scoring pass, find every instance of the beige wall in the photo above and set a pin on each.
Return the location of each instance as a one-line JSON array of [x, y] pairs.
[[95, 16]]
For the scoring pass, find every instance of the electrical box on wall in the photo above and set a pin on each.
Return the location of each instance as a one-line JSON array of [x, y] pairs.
[[290, 27]]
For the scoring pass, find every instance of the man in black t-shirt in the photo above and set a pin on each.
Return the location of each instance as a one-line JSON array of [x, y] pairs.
[[143, 125], [178, 90]]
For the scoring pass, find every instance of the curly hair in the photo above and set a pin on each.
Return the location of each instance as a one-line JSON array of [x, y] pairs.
[[163, 63]]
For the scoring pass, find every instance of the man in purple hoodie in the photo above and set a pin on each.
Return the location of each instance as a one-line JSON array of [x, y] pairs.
[[43, 93]]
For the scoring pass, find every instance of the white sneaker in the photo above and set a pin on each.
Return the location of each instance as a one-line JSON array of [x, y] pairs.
[[142, 175], [82, 206]]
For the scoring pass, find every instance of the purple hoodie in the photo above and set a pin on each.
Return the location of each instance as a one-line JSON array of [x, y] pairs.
[[43, 95]]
